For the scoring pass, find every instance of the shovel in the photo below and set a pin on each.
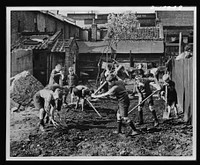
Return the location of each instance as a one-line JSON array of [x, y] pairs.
[[166, 113], [142, 101]]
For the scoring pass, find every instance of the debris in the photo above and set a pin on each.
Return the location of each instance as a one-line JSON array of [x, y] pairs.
[[23, 87]]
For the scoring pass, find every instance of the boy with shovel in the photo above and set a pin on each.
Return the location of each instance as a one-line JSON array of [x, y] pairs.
[[47, 101], [119, 91], [168, 93], [143, 88]]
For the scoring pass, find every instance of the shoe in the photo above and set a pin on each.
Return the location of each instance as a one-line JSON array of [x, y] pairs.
[[116, 132], [64, 105], [41, 127], [133, 133], [122, 135], [156, 123], [47, 120]]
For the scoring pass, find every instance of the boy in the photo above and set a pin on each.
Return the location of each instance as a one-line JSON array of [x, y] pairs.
[[56, 76], [72, 80], [47, 100], [171, 99], [144, 90], [119, 91], [81, 92]]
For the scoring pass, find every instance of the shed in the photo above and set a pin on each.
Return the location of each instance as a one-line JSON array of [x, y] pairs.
[[37, 57], [129, 53], [64, 51]]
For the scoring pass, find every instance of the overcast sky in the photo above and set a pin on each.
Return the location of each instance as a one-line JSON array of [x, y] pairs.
[[110, 9], [105, 9]]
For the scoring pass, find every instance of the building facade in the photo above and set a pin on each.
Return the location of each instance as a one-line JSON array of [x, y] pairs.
[[38, 31]]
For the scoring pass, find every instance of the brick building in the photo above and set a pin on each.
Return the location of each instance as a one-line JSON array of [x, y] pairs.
[[174, 23]]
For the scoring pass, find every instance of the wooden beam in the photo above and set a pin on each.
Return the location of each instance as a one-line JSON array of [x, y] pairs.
[[180, 42]]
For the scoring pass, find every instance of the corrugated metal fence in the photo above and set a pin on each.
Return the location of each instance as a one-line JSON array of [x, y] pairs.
[[182, 75]]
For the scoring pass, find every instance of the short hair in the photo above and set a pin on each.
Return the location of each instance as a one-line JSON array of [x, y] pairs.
[[58, 65], [59, 92], [111, 77], [71, 68], [140, 72]]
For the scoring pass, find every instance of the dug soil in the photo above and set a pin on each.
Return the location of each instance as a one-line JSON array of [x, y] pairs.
[[84, 133]]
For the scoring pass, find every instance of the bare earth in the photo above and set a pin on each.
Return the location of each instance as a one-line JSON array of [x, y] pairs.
[[84, 133]]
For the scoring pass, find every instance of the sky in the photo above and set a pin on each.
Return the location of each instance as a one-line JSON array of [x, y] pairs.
[[105, 9]]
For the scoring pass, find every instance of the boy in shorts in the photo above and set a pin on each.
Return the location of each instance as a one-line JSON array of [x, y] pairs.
[[72, 81], [119, 91], [81, 92], [143, 88], [47, 101], [171, 94]]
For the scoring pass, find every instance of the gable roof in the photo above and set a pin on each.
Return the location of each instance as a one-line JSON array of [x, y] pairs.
[[123, 46], [60, 17], [176, 18], [92, 47]]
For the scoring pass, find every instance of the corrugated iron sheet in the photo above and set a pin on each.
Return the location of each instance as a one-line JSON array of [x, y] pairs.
[[60, 45], [138, 46], [28, 42], [93, 47]]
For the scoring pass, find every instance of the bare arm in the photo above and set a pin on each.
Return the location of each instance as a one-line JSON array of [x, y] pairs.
[[103, 94], [55, 74]]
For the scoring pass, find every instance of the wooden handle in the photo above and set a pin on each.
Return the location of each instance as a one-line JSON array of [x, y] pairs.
[[142, 101], [102, 85]]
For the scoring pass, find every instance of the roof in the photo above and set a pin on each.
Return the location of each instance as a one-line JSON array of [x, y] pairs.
[[176, 18], [140, 46], [60, 17], [38, 42], [92, 47], [122, 46], [60, 45]]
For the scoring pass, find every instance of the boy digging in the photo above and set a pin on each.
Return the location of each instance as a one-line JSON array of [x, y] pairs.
[[144, 90], [119, 91], [47, 101]]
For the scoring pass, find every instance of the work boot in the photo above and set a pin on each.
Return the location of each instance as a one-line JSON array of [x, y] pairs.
[[47, 120], [156, 123], [119, 128], [140, 114], [41, 125], [134, 131]]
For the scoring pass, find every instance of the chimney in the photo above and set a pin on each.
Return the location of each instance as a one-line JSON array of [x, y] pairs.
[[94, 32]]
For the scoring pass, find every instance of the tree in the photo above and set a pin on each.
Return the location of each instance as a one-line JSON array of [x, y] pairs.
[[121, 27]]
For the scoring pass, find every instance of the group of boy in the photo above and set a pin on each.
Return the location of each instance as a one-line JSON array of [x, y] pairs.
[[54, 97]]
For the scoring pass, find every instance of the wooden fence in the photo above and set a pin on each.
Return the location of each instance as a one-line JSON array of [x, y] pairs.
[[21, 60], [182, 75]]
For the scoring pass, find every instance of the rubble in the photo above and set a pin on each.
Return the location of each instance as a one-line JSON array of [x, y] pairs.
[[23, 86]]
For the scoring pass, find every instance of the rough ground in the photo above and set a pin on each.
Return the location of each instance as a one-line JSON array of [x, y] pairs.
[[84, 133]]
